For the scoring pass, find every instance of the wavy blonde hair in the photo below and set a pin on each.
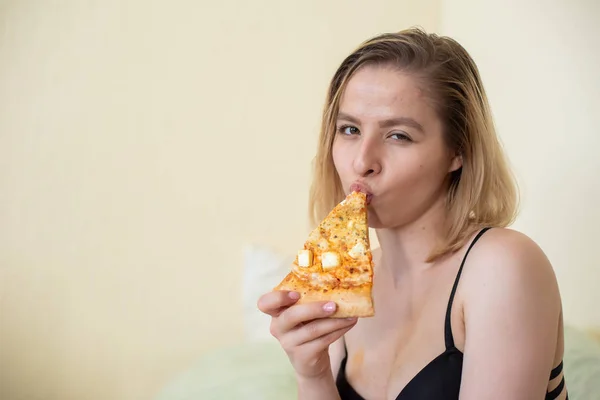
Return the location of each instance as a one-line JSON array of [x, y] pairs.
[[483, 192]]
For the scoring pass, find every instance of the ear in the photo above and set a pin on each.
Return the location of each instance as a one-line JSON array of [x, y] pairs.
[[456, 163]]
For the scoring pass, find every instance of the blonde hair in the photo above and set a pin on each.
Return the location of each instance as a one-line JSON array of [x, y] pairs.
[[483, 192]]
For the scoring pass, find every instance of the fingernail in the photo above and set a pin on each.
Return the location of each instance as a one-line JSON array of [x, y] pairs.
[[294, 295], [329, 306]]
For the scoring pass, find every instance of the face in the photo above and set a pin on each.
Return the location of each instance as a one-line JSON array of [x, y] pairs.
[[389, 142]]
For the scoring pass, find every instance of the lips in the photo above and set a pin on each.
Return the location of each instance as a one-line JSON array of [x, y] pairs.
[[363, 188]]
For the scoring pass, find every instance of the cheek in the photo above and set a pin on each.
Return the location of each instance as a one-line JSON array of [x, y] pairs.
[[409, 173], [419, 171], [341, 161]]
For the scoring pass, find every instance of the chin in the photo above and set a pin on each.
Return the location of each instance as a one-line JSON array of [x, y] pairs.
[[374, 221], [383, 220]]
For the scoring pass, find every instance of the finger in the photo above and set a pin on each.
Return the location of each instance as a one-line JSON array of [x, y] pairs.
[[317, 329], [273, 302], [306, 312], [321, 343]]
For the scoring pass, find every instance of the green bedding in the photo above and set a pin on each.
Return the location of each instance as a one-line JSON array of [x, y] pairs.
[[261, 371], [245, 371]]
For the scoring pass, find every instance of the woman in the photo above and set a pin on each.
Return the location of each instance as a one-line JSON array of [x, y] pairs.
[[465, 308]]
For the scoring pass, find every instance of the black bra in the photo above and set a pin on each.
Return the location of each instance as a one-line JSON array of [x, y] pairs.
[[440, 379]]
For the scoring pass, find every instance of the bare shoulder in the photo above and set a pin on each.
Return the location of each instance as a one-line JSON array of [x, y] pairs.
[[513, 261], [508, 243], [510, 306]]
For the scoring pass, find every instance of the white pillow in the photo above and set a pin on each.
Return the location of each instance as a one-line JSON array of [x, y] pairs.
[[263, 270]]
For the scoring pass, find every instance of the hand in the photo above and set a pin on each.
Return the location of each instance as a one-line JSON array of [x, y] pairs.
[[304, 330]]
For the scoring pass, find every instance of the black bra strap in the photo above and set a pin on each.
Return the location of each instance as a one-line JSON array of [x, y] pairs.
[[449, 339], [556, 371], [553, 395]]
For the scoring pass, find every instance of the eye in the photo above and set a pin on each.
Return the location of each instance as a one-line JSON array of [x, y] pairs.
[[348, 130], [400, 136]]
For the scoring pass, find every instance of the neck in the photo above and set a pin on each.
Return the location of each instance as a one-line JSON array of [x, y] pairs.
[[405, 249]]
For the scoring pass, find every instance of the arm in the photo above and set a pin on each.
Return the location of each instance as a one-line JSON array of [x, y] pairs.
[[324, 388], [511, 313], [318, 389]]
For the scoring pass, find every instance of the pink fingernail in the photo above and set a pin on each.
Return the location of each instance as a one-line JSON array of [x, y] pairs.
[[329, 306], [294, 295]]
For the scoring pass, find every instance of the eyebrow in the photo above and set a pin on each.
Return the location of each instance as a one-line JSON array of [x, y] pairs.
[[406, 121]]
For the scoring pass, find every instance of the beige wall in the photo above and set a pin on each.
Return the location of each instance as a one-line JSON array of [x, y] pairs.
[[141, 144], [540, 62]]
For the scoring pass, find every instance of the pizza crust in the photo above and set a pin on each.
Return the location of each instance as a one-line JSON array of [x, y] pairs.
[[354, 301]]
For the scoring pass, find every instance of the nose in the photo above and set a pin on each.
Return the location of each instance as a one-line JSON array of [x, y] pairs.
[[367, 162]]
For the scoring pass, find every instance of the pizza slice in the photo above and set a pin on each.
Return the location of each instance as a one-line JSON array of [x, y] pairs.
[[336, 261]]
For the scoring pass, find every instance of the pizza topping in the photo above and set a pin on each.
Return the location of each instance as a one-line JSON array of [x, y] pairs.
[[305, 258], [330, 259], [323, 243], [323, 280], [358, 250]]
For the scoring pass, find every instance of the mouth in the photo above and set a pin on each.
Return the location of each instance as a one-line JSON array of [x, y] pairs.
[[363, 188]]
